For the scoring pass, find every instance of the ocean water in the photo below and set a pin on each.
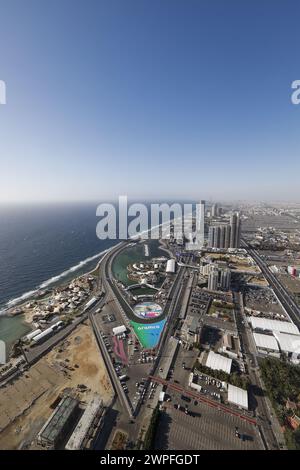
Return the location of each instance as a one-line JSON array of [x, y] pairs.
[[45, 245], [41, 246]]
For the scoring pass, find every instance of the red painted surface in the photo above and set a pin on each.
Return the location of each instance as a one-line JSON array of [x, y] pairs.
[[202, 399]]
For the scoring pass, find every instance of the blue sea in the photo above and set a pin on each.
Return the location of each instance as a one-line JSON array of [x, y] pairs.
[[40, 247]]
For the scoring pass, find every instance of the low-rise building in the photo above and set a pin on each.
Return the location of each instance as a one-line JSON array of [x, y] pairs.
[[272, 325], [237, 396], [118, 330], [266, 344], [88, 422], [290, 345], [171, 266], [216, 361], [60, 422]]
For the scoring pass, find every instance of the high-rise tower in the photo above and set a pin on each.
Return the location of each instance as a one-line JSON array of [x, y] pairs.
[[201, 221], [227, 236], [215, 210], [213, 279], [235, 234]]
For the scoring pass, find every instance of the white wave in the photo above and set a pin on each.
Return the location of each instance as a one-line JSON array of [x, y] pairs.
[[52, 280], [71, 270], [25, 296]]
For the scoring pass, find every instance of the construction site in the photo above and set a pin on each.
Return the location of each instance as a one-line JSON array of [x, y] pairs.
[[73, 369]]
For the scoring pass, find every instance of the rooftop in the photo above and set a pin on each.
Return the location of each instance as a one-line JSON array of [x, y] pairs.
[[288, 343], [83, 426], [265, 341], [218, 362], [58, 419], [238, 396], [273, 325]]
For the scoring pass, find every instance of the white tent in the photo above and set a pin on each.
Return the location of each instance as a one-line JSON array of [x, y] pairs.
[[118, 330], [170, 268], [218, 362], [33, 334], [238, 396], [2, 352], [273, 325], [265, 342], [288, 343]]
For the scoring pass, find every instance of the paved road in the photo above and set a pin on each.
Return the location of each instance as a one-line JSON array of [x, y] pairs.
[[112, 291], [104, 275], [257, 399], [285, 298], [111, 371]]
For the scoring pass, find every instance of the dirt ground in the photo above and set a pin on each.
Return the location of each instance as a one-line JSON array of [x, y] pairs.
[[237, 263], [25, 404], [119, 440], [259, 281], [291, 283]]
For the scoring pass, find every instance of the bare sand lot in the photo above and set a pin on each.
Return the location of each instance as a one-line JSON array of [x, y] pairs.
[[291, 283], [25, 404]]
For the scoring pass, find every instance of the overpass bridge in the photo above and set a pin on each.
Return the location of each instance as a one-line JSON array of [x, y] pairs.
[[141, 286]]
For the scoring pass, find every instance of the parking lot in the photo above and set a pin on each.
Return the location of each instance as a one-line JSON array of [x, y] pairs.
[[199, 301], [178, 373], [203, 428], [131, 362], [210, 386]]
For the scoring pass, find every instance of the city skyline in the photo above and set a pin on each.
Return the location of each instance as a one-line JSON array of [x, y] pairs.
[[162, 100]]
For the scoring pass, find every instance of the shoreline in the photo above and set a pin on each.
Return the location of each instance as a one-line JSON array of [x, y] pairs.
[[38, 295], [26, 315], [18, 302], [51, 283]]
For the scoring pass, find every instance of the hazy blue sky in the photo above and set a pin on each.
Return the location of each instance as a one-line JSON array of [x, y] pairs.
[[186, 98]]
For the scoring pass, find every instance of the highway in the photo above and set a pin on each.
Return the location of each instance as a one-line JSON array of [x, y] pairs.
[[104, 273], [285, 298], [111, 290], [171, 313], [256, 397], [110, 368]]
